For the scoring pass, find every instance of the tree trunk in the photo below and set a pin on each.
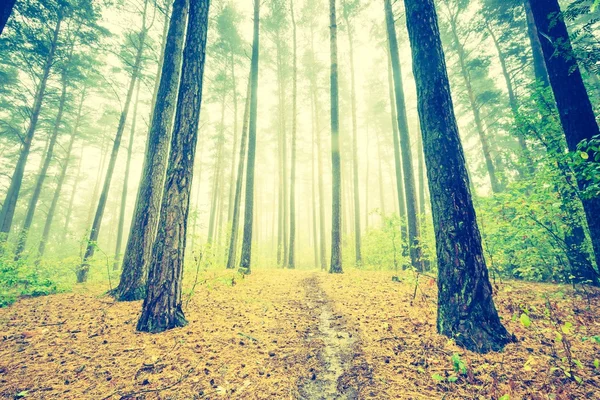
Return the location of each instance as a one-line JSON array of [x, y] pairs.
[[232, 252], [216, 177], [83, 269], [315, 101], [8, 206], [407, 168], [357, 244], [466, 311], [292, 247], [421, 174], [483, 139], [126, 182], [235, 143], [313, 187], [37, 190], [245, 262], [397, 156], [61, 180], [336, 210], [539, 65], [381, 187], [5, 10], [145, 215], [573, 103], [72, 197], [162, 306]]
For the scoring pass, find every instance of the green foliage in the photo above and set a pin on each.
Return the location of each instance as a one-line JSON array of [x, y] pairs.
[[458, 364], [18, 279]]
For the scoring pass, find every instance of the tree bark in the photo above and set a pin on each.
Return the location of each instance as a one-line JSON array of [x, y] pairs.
[[407, 167], [573, 103], [61, 180], [466, 311], [162, 306], [246, 258], [539, 65], [232, 253], [291, 263], [39, 184], [145, 215], [8, 206], [483, 139], [83, 269], [336, 210], [72, 197], [125, 189]]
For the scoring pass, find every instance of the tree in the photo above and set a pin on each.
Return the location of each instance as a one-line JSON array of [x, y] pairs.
[[573, 103], [466, 311], [125, 187], [8, 206], [402, 122], [138, 251], [162, 306], [336, 211], [350, 10], [83, 269], [246, 258], [291, 263]]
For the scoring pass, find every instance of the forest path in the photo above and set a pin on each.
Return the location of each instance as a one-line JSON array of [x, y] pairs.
[[337, 350]]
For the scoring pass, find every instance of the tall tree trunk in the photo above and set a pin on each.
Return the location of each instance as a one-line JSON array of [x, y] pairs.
[[539, 65], [573, 103], [421, 175], [161, 57], [292, 247], [407, 167], [126, 181], [147, 206], [466, 311], [313, 187], [83, 269], [5, 10], [37, 190], [356, 197], [61, 180], [483, 139], [8, 206], [381, 187], [162, 306], [232, 178], [217, 177], [232, 252], [315, 101], [397, 155], [367, 177], [512, 99], [104, 147], [245, 262], [72, 197], [336, 210]]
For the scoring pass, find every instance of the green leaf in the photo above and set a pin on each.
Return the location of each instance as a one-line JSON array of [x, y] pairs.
[[525, 320], [584, 155], [22, 394], [597, 363], [437, 378], [505, 397], [452, 378], [567, 328]]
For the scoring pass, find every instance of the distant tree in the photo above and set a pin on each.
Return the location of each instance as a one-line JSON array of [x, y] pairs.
[[291, 263], [162, 306], [573, 103], [336, 211], [246, 258], [402, 123], [138, 251], [139, 41], [466, 311]]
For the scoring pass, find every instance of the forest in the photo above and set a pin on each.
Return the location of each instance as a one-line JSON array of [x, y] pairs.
[[300, 199]]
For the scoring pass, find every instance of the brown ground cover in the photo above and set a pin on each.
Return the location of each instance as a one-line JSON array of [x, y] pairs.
[[298, 334]]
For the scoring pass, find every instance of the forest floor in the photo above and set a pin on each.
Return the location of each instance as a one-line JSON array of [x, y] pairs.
[[299, 334]]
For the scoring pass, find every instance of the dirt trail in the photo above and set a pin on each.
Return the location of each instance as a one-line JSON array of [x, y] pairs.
[[338, 348]]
